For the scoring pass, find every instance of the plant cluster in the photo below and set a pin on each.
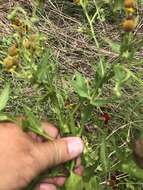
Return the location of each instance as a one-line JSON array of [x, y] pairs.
[[83, 106]]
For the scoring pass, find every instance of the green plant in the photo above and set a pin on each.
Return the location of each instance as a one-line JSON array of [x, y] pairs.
[[104, 110]]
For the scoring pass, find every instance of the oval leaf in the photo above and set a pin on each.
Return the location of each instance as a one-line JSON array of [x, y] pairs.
[[4, 97], [74, 182]]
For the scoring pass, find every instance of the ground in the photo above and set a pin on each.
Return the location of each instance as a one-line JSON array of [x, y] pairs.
[[68, 36]]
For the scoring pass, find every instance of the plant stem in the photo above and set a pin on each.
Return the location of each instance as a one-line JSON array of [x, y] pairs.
[[91, 26]]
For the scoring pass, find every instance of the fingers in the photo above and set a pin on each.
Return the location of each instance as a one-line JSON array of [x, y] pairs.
[[138, 148], [46, 186], [79, 171], [50, 129], [59, 151], [58, 181], [78, 162], [138, 152]]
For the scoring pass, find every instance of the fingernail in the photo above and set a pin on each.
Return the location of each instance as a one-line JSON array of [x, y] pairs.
[[75, 146], [47, 187]]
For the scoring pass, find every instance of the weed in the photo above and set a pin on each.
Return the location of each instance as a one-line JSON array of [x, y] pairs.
[[104, 109]]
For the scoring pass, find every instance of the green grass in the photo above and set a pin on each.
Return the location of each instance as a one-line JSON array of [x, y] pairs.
[[75, 102]]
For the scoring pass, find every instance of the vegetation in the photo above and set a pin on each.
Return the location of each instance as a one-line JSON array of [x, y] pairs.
[[78, 64]]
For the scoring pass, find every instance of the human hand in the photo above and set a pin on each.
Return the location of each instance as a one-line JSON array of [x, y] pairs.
[[138, 152], [24, 156]]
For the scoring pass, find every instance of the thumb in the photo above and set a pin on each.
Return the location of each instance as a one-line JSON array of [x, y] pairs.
[[59, 151]]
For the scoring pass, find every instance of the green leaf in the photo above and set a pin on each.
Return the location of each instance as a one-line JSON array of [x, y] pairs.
[[101, 69], [86, 114], [80, 85], [107, 1], [42, 70], [84, 3], [46, 68], [33, 124], [102, 101], [122, 75], [118, 5], [74, 182], [103, 154], [104, 73], [132, 169], [4, 97], [4, 117], [12, 15], [114, 45], [93, 184]]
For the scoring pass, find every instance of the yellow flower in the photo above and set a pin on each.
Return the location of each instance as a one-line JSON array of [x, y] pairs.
[[129, 3], [12, 69], [16, 60], [130, 10], [10, 63], [31, 42], [13, 50], [129, 24]]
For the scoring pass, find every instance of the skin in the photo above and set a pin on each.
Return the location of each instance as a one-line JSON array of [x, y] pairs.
[[138, 152], [25, 156]]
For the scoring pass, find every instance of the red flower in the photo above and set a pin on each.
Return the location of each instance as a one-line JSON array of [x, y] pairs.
[[106, 118]]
